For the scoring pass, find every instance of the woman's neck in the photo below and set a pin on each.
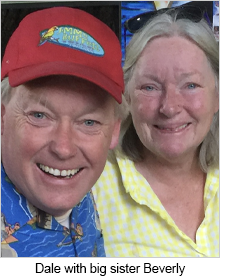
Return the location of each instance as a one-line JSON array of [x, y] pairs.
[[166, 170]]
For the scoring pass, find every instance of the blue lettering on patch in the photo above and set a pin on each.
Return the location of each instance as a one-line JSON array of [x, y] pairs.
[[71, 37]]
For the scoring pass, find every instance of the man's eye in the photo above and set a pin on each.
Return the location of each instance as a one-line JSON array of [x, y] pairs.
[[149, 88], [38, 115], [39, 119], [89, 122]]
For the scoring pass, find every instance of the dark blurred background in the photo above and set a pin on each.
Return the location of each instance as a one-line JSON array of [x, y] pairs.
[[12, 13]]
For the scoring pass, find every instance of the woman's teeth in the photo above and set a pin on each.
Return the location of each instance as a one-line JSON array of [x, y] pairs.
[[57, 172], [173, 129]]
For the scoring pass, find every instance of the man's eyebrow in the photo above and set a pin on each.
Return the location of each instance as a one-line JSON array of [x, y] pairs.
[[38, 99]]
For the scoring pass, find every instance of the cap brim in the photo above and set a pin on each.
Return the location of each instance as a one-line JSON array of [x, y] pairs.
[[25, 74]]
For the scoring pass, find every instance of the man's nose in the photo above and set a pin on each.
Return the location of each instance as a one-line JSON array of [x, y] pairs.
[[63, 142], [171, 103]]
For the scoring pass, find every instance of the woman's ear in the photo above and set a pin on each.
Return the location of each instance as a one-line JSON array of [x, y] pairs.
[[128, 100], [217, 102]]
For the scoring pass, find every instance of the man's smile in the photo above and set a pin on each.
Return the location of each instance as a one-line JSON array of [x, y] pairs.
[[58, 173]]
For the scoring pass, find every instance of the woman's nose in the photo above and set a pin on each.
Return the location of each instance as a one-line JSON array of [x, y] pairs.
[[171, 103]]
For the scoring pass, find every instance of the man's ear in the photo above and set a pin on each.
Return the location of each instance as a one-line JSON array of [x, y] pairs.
[[115, 134], [2, 118]]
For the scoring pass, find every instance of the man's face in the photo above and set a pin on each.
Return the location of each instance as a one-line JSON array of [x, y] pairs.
[[56, 133]]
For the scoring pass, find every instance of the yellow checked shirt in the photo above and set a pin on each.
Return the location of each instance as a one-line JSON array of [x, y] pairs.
[[135, 223]]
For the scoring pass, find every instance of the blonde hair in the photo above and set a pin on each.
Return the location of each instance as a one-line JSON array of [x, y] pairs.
[[5, 90]]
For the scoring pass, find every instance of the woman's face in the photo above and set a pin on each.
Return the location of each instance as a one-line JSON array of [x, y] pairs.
[[173, 97]]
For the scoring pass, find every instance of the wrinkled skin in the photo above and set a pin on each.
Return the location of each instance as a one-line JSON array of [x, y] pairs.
[[61, 122]]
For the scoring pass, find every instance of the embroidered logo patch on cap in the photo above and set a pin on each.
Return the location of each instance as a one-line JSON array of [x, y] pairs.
[[71, 37]]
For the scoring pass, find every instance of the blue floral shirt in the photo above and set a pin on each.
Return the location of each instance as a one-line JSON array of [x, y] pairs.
[[29, 232]]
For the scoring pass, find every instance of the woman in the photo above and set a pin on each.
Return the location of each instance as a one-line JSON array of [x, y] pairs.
[[159, 193]]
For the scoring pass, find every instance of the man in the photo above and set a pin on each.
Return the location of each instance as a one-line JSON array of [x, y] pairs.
[[61, 78]]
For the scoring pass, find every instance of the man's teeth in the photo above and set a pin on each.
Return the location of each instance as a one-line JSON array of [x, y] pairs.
[[173, 129], [57, 172]]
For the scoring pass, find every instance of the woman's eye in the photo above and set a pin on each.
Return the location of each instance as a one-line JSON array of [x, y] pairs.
[[192, 86], [89, 122]]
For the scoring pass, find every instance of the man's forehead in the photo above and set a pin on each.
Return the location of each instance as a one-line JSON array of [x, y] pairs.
[[33, 93]]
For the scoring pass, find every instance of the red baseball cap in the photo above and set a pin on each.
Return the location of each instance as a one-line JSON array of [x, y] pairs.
[[64, 41]]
